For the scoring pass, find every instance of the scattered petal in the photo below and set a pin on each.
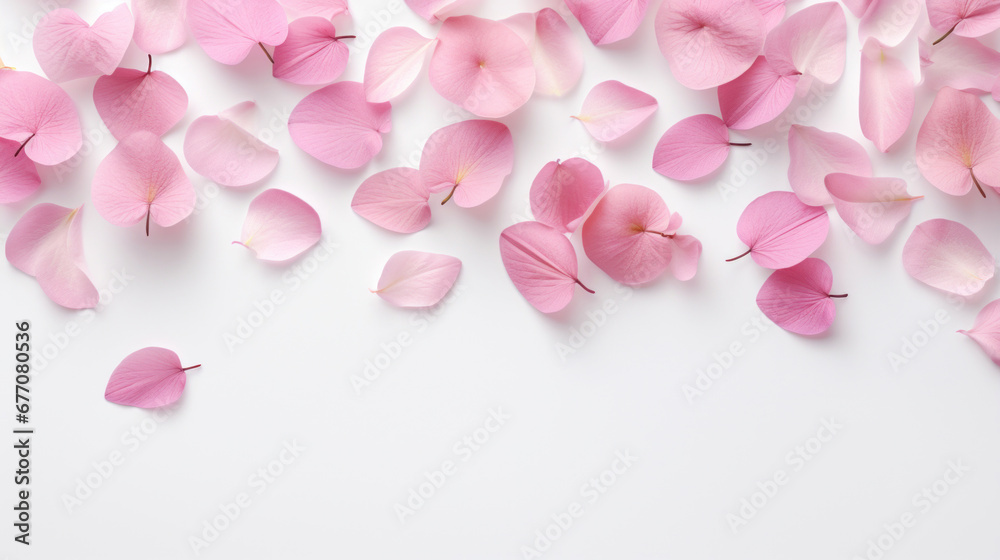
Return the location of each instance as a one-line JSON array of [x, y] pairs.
[[889, 21], [986, 330], [960, 63], [870, 206], [68, 48], [279, 226], [227, 31], [757, 96], [327, 9], [812, 41], [395, 199], [18, 176], [608, 21], [966, 18], [394, 61], [415, 279], [148, 378], [948, 256], [217, 147], [612, 109], [39, 116], [159, 25], [814, 154], [798, 298], [562, 192], [541, 262], [780, 230], [692, 148], [312, 54], [557, 56], [470, 159], [339, 127], [887, 95], [132, 100]]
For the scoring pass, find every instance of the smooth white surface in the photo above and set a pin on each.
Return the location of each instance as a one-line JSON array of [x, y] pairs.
[[622, 390]]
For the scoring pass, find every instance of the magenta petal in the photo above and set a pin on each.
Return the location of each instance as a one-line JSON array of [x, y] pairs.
[[960, 63], [227, 31], [948, 256], [217, 147], [870, 206], [968, 18], [159, 25], [327, 9], [132, 100], [780, 230], [47, 243], [470, 159], [812, 41], [612, 109], [338, 126], [434, 10], [312, 54], [279, 226], [562, 192], [147, 378], [756, 97], [68, 48], [38, 114], [887, 95], [798, 299], [692, 148], [394, 61], [814, 153], [18, 175], [541, 262], [608, 21], [986, 330], [395, 199], [415, 279], [557, 56]]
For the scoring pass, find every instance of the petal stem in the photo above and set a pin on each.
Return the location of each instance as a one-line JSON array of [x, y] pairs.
[[269, 57], [190, 367], [838, 295], [740, 144], [25, 143], [945, 36], [451, 194], [740, 256], [584, 287], [976, 181], [149, 67]]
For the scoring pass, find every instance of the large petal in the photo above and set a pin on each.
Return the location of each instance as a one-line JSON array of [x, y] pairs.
[[563, 191], [960, 63], [948, 256], [18, 176], [470, 159], [756, 97], [279, 226], [395, 199], [227, 31], [812, 41], [986, 330], [780, 230], [68, 48], [967, 18], [132, 100], [541, 262], [159, 25], [147, 378], [612, 109], [394, 61], [608, 21], [312, 54], [870, 206], [887, 95], [814, 154], [38, 114], [416, 279], [217, 147], [797, 299], [772, 10], [557, 56], [692, 148]]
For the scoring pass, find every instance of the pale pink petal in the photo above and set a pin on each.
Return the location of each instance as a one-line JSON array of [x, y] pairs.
[[339, 127], [483, 66], [814, 153], [395, 199], [958, 144], [562, 192], [772, 10], [780, 230], [38, 115], [435, 10], [469, 159], [960, 63], [279, 226], [858, 7], [986, 330], [608, 21], [798, 298], [524, 25], [312, 54], [968, 18], [612, 109], [132, 100], [18, 176], [887, 95], [217, 147], [692, 148], [889, 21], [870, 206], [147, 378], [228, 30], [557, 56], [756, 97], [709, 42], [159, 25], [47, 243], [812, 41], [394, 61], [416, 279], [327, 9], [685, 255], [948, 256], [68, 48], [541, 262]]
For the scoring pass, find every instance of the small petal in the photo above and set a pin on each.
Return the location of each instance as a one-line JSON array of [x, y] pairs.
[[870, 206], [608, 21], [684, 257], [415, 279], [147, 378], [756, 97], [395, 199], [814, 154], [887, 95], [562, 192], [68, 48], [612, 109], [798, 299], [470, 159], [780, 230], [948, 256], [692, 148], [986, 330], [541, 262], [812, 41], [217, 147], [227, 31], [311, 55], [132, 100], [394, 61], [279, 226]]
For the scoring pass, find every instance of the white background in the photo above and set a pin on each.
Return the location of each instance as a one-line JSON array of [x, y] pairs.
[[622, 389]]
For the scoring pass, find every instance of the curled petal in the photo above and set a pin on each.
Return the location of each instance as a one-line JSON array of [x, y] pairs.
[[613, 109], [68, 48], [279, 226], [339, 127], [541, 262], [986, 330], [132, 100], [395, 199], [692, 148], [948, 256], [798, 298], [870, 206], [218, 147], [416, 279], [394, 61], [469, 160], [814, 154], [608, 21]]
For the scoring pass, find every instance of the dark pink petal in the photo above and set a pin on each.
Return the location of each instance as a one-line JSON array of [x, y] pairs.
[[68, 48], [38, 115], [469, 159], [960, 63], [47, 243], [415, 279], [18, 175], [395, 199], [229, 30], [394, 61], [812, 41], [608, 21], [958, 145], [613, 109], [798, 299], [814, 153], [557, 56], [279, 226], [772, 10], [986, 330], [756, 97], [147, 378], [159, 25], [339, 127], [327, 9], [887, 95], [780, 230], [948, 256], [483, 66], [434, 10], [692, 148], [966, 18], [709, 42], [541, 262], [889, 21], [870, 206], [685, 254], [562, 192], [312, 54], [132, 100], [218, 147]]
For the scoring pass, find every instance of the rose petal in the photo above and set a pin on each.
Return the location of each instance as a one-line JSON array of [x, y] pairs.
[[780, 230], [470, 159], [394, 61], [227, 31], [217, 147], [812, 41], [870, 206], [68, 48], [814, 154], [692, 148], [608, 21], [132, 100], [38, 115], [279, 226], [147, 378], [612, 109], [562, 192], [757, 96], [948, 256], [159, 25], [798, 298], [395, 199], [887, 95], [312, 54], [415, 279]]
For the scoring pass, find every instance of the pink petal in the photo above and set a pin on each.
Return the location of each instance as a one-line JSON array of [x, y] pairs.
[[394, 61], [483, 66], [541, 262], [147, 378], [228, 30], [626, 234], [470, 159], [18, 176], [870, 206], [415, 279], [685, 254], [959, 144], [612, 109], [557, 56], [812, 41], [887, 95], [858, 7], [960, 63], [798, 299], [312, 54], [692, 148], [756, 97], [948, 256], [780, 230], [47, 243], [132, 100], [68, 48], [279, 226], [814, 154], [159, 25], [986, 330], [889, 21], [562, 192], [772, 10], [608, 21], [395, 199], [327, 9], [434, 10], [217, 147], [38, 114], [968, 18], [709, 42], [338, 126]]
